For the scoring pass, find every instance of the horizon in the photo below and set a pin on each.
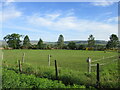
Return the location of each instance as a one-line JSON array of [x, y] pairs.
[[64, 40], [75, 21]]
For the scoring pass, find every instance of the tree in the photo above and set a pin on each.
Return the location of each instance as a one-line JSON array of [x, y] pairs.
[[26, 42], [81, 47], [113, 42], [40, 44], [99, 47], [72, 45], [13, 40], [34, 46], [60, 41], [91, 41]]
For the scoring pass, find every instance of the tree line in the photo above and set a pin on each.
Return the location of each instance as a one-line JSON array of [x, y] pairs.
[[14, 42]]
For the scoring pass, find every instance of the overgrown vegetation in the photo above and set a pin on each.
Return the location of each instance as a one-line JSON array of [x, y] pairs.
[[108, 77], [11, 79]]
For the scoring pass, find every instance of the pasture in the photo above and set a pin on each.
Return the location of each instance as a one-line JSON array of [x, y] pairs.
[[72, 63], [71, 59]]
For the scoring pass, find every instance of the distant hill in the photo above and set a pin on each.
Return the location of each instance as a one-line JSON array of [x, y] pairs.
[[101, 42]]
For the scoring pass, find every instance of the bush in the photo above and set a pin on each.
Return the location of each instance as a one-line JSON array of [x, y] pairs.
[[14, 80]]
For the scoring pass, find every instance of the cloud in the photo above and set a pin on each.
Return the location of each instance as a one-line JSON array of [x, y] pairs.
[[9, 12], [52, 16], [61, 22], [77, 27], [72, 23], [113, 19], [103, 3], [8, 2]]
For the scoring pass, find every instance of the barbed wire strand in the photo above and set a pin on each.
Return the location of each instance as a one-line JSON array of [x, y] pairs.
[[104, 63], [103, 58]]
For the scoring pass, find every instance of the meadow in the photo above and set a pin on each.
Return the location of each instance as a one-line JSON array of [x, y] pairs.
[[72, 65], [72, 59]]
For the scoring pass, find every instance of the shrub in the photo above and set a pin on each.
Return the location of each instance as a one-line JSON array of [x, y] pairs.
[[13, 80]]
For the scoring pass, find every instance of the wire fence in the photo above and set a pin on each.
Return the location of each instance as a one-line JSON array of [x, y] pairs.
[[105, 63], [103, 58], [111, 61]]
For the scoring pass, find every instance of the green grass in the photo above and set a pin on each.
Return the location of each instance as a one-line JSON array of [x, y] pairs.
[[71, 59], [72, 65], [16, 80]]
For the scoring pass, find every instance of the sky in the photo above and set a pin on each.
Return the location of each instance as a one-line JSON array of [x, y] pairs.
[[47, 20]]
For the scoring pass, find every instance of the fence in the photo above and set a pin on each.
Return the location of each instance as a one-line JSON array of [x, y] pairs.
[[97, 67], [90, 65], [99, 60]]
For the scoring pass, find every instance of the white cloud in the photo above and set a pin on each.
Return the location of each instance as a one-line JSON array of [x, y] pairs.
[[74, 24], [62, 22], [8, 2], [80, 27], [70, 12], [52, 16], [113, 19], [103, 3], [9, 11]]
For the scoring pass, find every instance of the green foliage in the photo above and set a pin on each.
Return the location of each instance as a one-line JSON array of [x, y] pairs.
[[13, 40], [113, 42], [26, 42], [99, 47], [40, 44], [91, 41], [72, 45], [14, 80], [108, 75], [81, 47], [11, 80], [60, 41]]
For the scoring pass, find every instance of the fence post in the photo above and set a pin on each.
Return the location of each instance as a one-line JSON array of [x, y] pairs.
[[89, 64], [98, 76], [19, 64], [56, 71], [23, 57], [49, 60]]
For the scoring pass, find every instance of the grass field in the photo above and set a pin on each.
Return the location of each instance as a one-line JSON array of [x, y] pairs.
[[72, 59], [68, 60]]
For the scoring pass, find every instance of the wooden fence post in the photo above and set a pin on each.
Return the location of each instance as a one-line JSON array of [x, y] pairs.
[[20, 66], [89, 65], [49, 60], [56, 71], [98, 76], [23, 58]]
